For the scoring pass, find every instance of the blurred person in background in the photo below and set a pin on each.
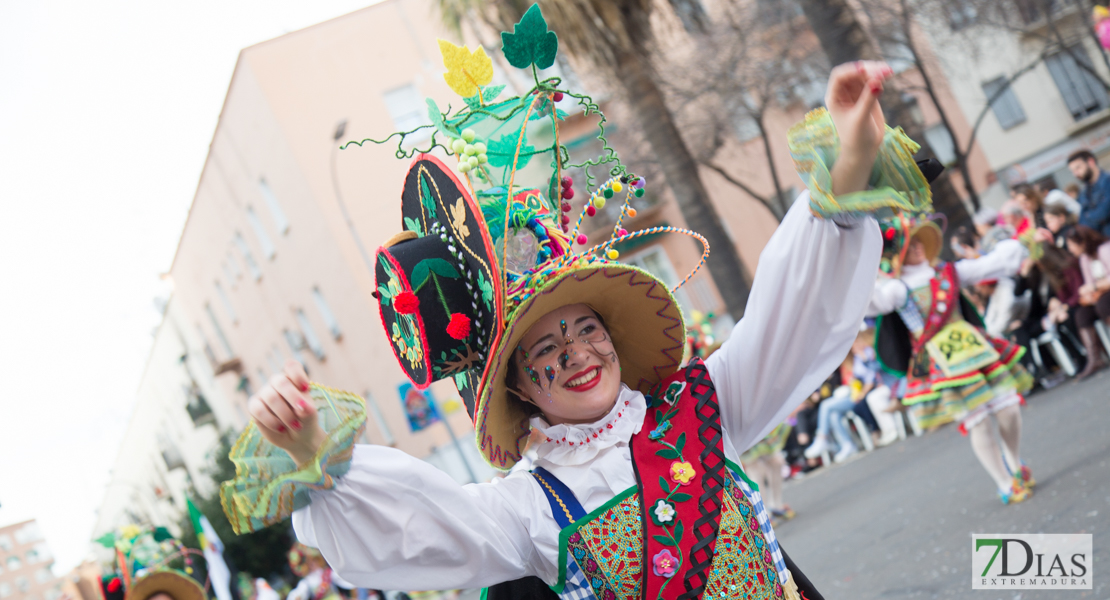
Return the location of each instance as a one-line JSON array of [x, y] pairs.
[[764, 463], [1030, 199], [985, 220], [1093, 251], [1059, 221], [1063, 198], [1015, 219], [1054, 274], [1072, 189], [1095, 197]]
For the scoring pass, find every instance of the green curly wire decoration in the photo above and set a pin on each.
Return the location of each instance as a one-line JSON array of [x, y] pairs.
[[401, 153]]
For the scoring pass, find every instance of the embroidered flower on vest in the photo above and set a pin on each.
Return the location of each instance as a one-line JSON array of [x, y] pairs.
[[682, 472], [664, 564], [660, 431], [663, 512]]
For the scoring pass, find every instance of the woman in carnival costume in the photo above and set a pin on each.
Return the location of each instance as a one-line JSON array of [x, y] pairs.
[[318, 581], [636, 490], [955, 371], [141, 570]]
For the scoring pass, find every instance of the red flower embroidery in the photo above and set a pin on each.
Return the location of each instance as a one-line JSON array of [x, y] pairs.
[[406, 303], [459, 327]]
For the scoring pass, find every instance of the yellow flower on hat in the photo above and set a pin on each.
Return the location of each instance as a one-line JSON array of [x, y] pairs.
[[466, 70]]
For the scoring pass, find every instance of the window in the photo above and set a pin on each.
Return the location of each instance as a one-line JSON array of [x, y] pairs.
[[219, 330], [406, 108], [1081, 90], [5, 589], [14, 563], [232, 267], [941, 142], [296, 342], [197, 406], [1006, 107], [5, 542], [263, 239], [22, 583], [226, 302], [961, 14], [325, 312], [28, 533], [310, 335], [375, 410], [43, 575], [32, 556], [228, 273], [248, 258], [280, 222]]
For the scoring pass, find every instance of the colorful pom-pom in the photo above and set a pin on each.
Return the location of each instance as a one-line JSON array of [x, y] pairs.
[[632, 212], [889, 234], [459, 327], [590, 211], [566, 219], [479, 147], [458, 145], [582, 239], [608, 192], [464, 166], [639, 192], [566, 181], [622, 232], [483, 158], [568, 193], [406, 303], [617, 187], [613, 254], [468, 135], [114, 585], [565, 207], [639, 183], [557, 96], [599, 202]]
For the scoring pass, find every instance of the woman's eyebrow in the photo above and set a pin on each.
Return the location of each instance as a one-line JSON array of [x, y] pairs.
[[585, 318], [537, 342]]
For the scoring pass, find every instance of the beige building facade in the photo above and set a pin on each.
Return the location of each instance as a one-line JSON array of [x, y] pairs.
[[25, 564]]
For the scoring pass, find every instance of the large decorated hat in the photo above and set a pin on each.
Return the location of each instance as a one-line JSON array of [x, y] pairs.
[[496, 241], [142, 559]]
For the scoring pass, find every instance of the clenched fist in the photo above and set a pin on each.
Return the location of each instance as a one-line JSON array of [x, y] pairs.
[[285, 415]]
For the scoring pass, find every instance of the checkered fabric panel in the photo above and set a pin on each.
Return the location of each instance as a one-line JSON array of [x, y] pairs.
[[911, 314], [576, 588], [765, 523]]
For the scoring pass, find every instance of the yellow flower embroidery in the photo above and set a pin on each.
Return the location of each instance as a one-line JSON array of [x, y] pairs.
[[458, 218], [466, 70], [682, 472]]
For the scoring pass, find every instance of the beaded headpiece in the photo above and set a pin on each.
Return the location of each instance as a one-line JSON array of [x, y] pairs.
[[486, 253]]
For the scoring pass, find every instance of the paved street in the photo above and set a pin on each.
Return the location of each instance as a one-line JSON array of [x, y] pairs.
[[897, 523]]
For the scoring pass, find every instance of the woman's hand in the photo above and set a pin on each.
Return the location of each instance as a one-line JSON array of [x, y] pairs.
[[853, 103], [285, 415]]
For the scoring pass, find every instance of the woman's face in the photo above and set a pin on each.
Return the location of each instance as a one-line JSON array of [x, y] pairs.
[[1025, 203], [1054, 222], [915, 254], [567, 366], [1075, 248]]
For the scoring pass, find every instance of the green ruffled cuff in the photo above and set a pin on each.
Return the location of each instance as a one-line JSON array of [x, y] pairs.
[[897, 184], [268, 487]]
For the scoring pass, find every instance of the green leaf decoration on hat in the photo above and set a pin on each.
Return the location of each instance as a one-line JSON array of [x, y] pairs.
[[530, 42], [489, 94], [424, 268], [502, 150], [108, 540], [426, 198], [436, 118]]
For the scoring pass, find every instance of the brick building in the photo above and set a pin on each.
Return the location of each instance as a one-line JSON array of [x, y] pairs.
[[25, 562]]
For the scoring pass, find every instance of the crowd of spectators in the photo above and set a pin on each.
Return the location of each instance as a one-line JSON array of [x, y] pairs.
[[1057, 307]]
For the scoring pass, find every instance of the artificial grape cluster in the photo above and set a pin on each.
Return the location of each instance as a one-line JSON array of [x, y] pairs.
[[470, 153]]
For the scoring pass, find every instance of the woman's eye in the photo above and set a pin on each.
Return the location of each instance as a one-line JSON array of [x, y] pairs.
[[546, 350], [588, 330]]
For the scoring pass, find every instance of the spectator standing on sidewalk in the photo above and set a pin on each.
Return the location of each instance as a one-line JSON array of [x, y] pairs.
[[1095, 197]]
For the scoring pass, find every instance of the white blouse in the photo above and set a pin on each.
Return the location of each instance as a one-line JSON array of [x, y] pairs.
[[891, 294], [397, 522]]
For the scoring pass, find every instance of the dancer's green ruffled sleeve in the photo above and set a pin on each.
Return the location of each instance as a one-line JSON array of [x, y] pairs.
[[896, 181], [268, 486]]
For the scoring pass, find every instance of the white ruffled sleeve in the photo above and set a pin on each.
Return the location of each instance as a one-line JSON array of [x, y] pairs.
[[1003, 261], [396, 522], [812, 285], [888, 296]]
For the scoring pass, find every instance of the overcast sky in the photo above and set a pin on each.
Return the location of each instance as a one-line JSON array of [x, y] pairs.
[[106, 111]]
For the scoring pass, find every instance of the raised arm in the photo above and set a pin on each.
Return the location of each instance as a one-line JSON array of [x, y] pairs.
[[1003, 261], [396, 522], [811, 287], [888, 295]]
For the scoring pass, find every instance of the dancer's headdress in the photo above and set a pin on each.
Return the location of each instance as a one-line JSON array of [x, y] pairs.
[[486, 253], [143, 556]]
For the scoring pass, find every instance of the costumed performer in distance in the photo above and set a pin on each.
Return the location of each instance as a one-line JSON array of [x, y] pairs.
[[637, 492], [955, 370]]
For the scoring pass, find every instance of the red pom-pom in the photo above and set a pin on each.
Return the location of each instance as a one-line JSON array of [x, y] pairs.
[[591, 211], [565, 220], [568, 193], [565, 206], [114, 585], [459, 327], [890, 234], [406, 303], [566, 181], [622, 232], [557, 96], [582, 239]]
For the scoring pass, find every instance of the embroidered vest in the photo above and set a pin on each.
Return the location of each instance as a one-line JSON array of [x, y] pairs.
[[692, 527]]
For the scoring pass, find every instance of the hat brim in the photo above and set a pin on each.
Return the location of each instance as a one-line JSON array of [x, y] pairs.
[[643, 320], [176, 584], [931, 237]]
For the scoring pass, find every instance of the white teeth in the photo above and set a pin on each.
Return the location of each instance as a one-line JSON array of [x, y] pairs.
[[584, 379]]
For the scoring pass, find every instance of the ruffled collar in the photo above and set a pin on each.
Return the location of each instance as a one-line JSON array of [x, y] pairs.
[[577, 444]]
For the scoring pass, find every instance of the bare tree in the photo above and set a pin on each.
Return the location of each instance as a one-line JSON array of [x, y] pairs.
[[749, 62]]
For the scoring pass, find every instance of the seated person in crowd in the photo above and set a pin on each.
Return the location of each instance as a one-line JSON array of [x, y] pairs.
[[1093, 251]]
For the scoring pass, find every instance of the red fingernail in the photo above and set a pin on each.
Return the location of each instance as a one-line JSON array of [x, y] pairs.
[[296, 425], [876, 88], [304, 388], [281, 428], [303, 404]]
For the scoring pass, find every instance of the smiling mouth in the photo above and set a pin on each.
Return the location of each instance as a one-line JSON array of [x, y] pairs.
[[585, 380]]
